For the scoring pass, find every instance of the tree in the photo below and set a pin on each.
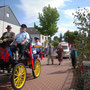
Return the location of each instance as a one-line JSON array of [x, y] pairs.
[[60, 39], [56, 38], [70, 36], [82, 21], [55, 43], [48, 21]]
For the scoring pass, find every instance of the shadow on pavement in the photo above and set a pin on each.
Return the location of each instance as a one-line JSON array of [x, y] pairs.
[[70, 81], [5, 82], [73, 86], [29, 77], [61, 72], [49, 65]]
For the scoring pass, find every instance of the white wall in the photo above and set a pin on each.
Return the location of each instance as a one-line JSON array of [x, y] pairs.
[[33, 36], [43, 39], [3, 25]]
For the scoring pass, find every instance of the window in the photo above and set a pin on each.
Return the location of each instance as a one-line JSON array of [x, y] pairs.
[[48, 38], [42, 37], [45, 38], [65, 47], [7, 15]]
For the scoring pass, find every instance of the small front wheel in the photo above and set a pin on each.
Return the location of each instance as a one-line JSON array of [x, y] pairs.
[[37, 69], [18, 76]]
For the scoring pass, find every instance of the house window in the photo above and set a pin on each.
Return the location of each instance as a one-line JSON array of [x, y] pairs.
[[42, 37], [7, 15], [45, 38]]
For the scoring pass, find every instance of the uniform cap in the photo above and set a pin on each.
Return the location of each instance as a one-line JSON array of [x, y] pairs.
[[8, 26], [36, 38], [23, 26]]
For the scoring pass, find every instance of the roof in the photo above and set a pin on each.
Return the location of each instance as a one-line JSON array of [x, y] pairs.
[[32, 30], [12, 19], [3, 6]]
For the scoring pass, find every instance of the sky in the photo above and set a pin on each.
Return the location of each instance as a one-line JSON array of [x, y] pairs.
[[26, 11]]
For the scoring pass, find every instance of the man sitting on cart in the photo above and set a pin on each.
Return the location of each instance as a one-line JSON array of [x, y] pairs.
[[38, 44], [8, 36], [37, 47], [22, 39]]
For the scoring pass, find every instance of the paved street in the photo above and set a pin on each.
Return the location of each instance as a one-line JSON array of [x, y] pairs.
[[52, 77]]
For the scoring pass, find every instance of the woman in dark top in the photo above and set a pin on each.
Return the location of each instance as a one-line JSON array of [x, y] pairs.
[[60, 52]]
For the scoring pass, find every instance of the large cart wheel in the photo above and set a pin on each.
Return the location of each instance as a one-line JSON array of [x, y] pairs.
[[37, 69], [18, 76]]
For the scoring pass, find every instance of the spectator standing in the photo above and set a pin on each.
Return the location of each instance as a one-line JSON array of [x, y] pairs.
[[50, 51], [74, 55], [60, 54]]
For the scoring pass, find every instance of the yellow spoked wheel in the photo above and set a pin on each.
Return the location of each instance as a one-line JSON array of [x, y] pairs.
[[18, 76], [37, 69]]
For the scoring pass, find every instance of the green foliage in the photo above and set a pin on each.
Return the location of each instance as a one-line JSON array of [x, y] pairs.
[[70, 36], [56, 38], [55, 43], [48, 21], [82, 21], [60, 39]]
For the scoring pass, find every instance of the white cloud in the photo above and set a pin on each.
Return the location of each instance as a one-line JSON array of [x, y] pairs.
[[69, 25], [64, 28], [68, 13], [88, 8], [32, 7]]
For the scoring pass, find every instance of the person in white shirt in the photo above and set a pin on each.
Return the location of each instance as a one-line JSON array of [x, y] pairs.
[[37, 43], [22, 38]]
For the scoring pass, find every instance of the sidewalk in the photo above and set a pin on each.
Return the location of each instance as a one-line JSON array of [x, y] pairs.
[[52, 77]]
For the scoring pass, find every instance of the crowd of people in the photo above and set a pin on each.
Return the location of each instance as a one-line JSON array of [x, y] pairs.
[[23, 38], [59, 51]]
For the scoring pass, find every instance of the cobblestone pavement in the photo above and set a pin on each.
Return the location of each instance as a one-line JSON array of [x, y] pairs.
[[52, 77]]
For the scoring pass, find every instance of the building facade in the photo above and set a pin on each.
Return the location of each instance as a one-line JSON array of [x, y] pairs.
[[34, 33], [7, 17]]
